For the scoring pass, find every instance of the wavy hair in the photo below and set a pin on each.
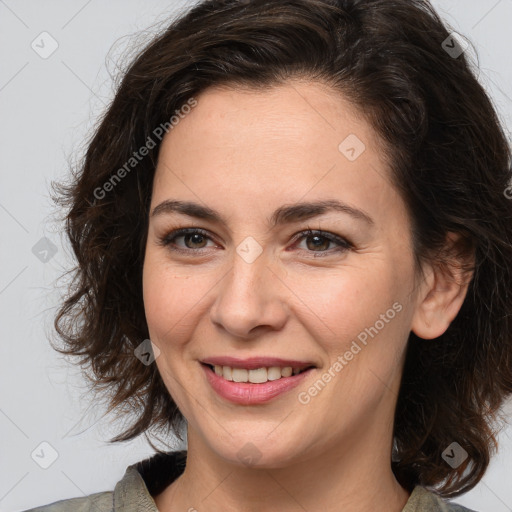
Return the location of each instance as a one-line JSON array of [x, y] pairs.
[[449, 159]]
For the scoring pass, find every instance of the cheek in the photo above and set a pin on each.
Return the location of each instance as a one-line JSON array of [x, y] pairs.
[[342, 304], [169, 299]]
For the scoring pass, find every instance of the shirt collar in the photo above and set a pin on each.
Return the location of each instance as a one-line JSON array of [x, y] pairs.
[[145, 479]]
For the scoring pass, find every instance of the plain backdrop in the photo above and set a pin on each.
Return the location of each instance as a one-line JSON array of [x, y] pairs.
[[48, 103]]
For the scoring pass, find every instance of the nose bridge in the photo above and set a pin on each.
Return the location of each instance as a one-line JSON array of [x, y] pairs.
[[249, 268], [249, 295], [246, 287]]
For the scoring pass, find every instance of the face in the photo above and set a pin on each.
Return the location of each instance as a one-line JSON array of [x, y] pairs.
[[242, 291]]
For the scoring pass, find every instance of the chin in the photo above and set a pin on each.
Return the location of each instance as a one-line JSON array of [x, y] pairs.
[[260, 452]]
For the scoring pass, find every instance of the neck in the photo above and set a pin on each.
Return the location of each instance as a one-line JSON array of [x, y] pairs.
[[353, 479]]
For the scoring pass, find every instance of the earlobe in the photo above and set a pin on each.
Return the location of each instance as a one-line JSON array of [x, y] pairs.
[[442, 294]]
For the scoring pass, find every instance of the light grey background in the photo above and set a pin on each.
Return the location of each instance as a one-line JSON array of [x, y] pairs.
[[47, 107]]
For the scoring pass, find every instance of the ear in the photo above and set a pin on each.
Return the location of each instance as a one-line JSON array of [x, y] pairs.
[[444, 289]]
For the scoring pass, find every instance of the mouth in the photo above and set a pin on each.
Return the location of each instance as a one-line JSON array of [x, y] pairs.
[[256, 375], [254, 381]]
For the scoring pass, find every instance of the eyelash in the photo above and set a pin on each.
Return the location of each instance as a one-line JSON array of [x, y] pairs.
[[168, 239]]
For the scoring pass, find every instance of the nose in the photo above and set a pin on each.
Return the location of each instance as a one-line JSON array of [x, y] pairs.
[[251, 299]]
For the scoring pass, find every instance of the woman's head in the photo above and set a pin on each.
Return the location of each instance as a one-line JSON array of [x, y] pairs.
[[251, 285], [284, 102]]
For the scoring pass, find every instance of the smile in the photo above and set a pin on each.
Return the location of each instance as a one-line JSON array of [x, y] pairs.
[[254, 386], [256, 376]]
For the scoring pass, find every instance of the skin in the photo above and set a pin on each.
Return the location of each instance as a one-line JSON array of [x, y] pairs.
[[245, 153]]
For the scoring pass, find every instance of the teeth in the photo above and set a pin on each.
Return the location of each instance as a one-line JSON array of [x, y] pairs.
[[256, 376], [286, 371], [227, 372], [240, 375], [274, 373]]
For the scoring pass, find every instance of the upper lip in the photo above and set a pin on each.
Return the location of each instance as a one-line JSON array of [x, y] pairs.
[[252, 363]]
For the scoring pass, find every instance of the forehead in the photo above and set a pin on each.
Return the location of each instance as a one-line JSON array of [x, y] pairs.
[[252, 148], [296, 116]]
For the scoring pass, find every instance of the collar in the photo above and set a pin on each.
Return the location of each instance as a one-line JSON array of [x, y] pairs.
[[146, 479]]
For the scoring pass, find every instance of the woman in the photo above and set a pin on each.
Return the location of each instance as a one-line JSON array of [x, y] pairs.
[[293, 236]]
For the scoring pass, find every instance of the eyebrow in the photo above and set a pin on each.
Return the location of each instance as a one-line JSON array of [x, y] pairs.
[[286, 214]]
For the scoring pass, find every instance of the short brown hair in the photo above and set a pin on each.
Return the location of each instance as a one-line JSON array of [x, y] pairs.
[[449, 157]]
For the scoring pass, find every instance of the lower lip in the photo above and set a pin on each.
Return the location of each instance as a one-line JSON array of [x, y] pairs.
[[246, 393]]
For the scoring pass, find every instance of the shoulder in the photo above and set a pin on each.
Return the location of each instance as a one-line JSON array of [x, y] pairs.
[[134, 491], [98, 502], [424, 500]]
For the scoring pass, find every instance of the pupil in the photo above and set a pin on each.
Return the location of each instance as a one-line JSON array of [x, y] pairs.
[[318, 239], [195, 236]]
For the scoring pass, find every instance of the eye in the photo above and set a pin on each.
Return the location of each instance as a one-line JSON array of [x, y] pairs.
[[321, 239], [195, 241], [192, 237]]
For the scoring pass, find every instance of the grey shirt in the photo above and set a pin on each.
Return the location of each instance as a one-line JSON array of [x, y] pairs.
[[147, 478]]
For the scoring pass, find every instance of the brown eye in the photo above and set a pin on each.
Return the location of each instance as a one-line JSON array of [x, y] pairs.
[[193, 240], [319, 241]]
